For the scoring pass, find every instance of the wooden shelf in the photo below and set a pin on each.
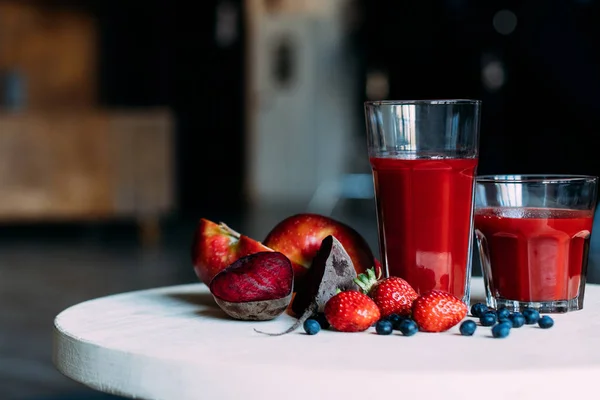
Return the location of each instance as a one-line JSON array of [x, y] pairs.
[[86, 165], [52, 51]]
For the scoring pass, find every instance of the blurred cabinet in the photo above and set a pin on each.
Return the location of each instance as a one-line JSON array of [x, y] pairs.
[[51, 52], [62, 156], [58, 166]]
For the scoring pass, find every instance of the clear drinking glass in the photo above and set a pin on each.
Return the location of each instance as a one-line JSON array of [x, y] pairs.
[[533, 234], [424, 156]]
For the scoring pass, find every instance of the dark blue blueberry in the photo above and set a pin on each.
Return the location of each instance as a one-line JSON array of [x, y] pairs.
[[517, 319], [311, 326], [383, 327], [467, 328], [408, 327], [394, 318], [488, 318], [503, 314], [501, 330], [531, 316], [545, 322], [478, 309], [320, 317]]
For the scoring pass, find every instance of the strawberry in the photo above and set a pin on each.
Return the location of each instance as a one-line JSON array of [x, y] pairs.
[[351, 311], [438, 311], [392, 295]]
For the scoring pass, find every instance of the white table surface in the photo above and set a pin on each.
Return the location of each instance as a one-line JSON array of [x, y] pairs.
[[174, 343]]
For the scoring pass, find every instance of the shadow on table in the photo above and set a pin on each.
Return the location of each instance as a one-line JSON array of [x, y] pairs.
[[199, 299], [209, 307]]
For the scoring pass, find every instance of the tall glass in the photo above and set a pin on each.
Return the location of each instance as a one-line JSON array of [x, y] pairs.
[[533, 234], [424, 156]]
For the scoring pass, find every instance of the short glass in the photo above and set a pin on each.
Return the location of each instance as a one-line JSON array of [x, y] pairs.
[[533, 234], [424, 156]]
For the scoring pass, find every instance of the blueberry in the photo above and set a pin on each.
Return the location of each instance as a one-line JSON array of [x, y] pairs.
[[393, 317], [488, 318], [478, 309], [501, 330], [383, 327], [408, 327], [396, 320], [503, 314], [320, 317], [311, 326], [467, 328], [531, 316], [517, 319], [545, 322]]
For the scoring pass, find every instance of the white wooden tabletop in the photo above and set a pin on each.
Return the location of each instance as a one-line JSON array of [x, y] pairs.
[[174, 343]]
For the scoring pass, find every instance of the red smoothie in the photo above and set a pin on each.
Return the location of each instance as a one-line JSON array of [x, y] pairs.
[[424, 211], [535, 254]]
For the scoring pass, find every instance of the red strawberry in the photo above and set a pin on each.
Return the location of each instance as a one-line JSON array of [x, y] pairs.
[[351, 311], [438, 311], [392, 295]]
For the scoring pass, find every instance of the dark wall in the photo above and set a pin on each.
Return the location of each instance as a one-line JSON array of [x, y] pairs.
[[164, 53], [544, 118]]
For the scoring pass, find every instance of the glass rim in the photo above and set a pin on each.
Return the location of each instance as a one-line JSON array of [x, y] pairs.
[[535, 178], [378, 103]]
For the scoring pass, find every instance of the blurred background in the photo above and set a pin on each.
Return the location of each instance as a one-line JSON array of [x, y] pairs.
[[124, 122]]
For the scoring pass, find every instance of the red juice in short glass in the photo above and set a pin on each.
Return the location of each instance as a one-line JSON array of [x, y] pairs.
[[533, 236], [426, 206], [536, 254], [424, 156]]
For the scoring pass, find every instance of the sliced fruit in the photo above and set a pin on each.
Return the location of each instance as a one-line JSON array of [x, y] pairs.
[[255, 287], [216, 246], [331, 271]]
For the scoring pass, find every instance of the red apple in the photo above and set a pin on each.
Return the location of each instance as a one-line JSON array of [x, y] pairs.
[[216, 246], [299, 238]]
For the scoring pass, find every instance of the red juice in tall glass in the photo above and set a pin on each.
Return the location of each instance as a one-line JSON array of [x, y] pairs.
[[424, 208], [535, 254]]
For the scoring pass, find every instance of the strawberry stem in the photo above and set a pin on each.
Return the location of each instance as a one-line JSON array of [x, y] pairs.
[[365, 281], [371, 273], [362, 280]]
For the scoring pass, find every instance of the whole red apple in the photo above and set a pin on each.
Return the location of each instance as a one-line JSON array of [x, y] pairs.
[[299, 238], [216, 246]]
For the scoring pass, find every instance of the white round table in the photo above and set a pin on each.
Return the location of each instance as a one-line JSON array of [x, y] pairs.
[[175, 343]]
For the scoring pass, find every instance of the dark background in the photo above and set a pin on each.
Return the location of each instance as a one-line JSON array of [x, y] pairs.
[[542, 119]]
